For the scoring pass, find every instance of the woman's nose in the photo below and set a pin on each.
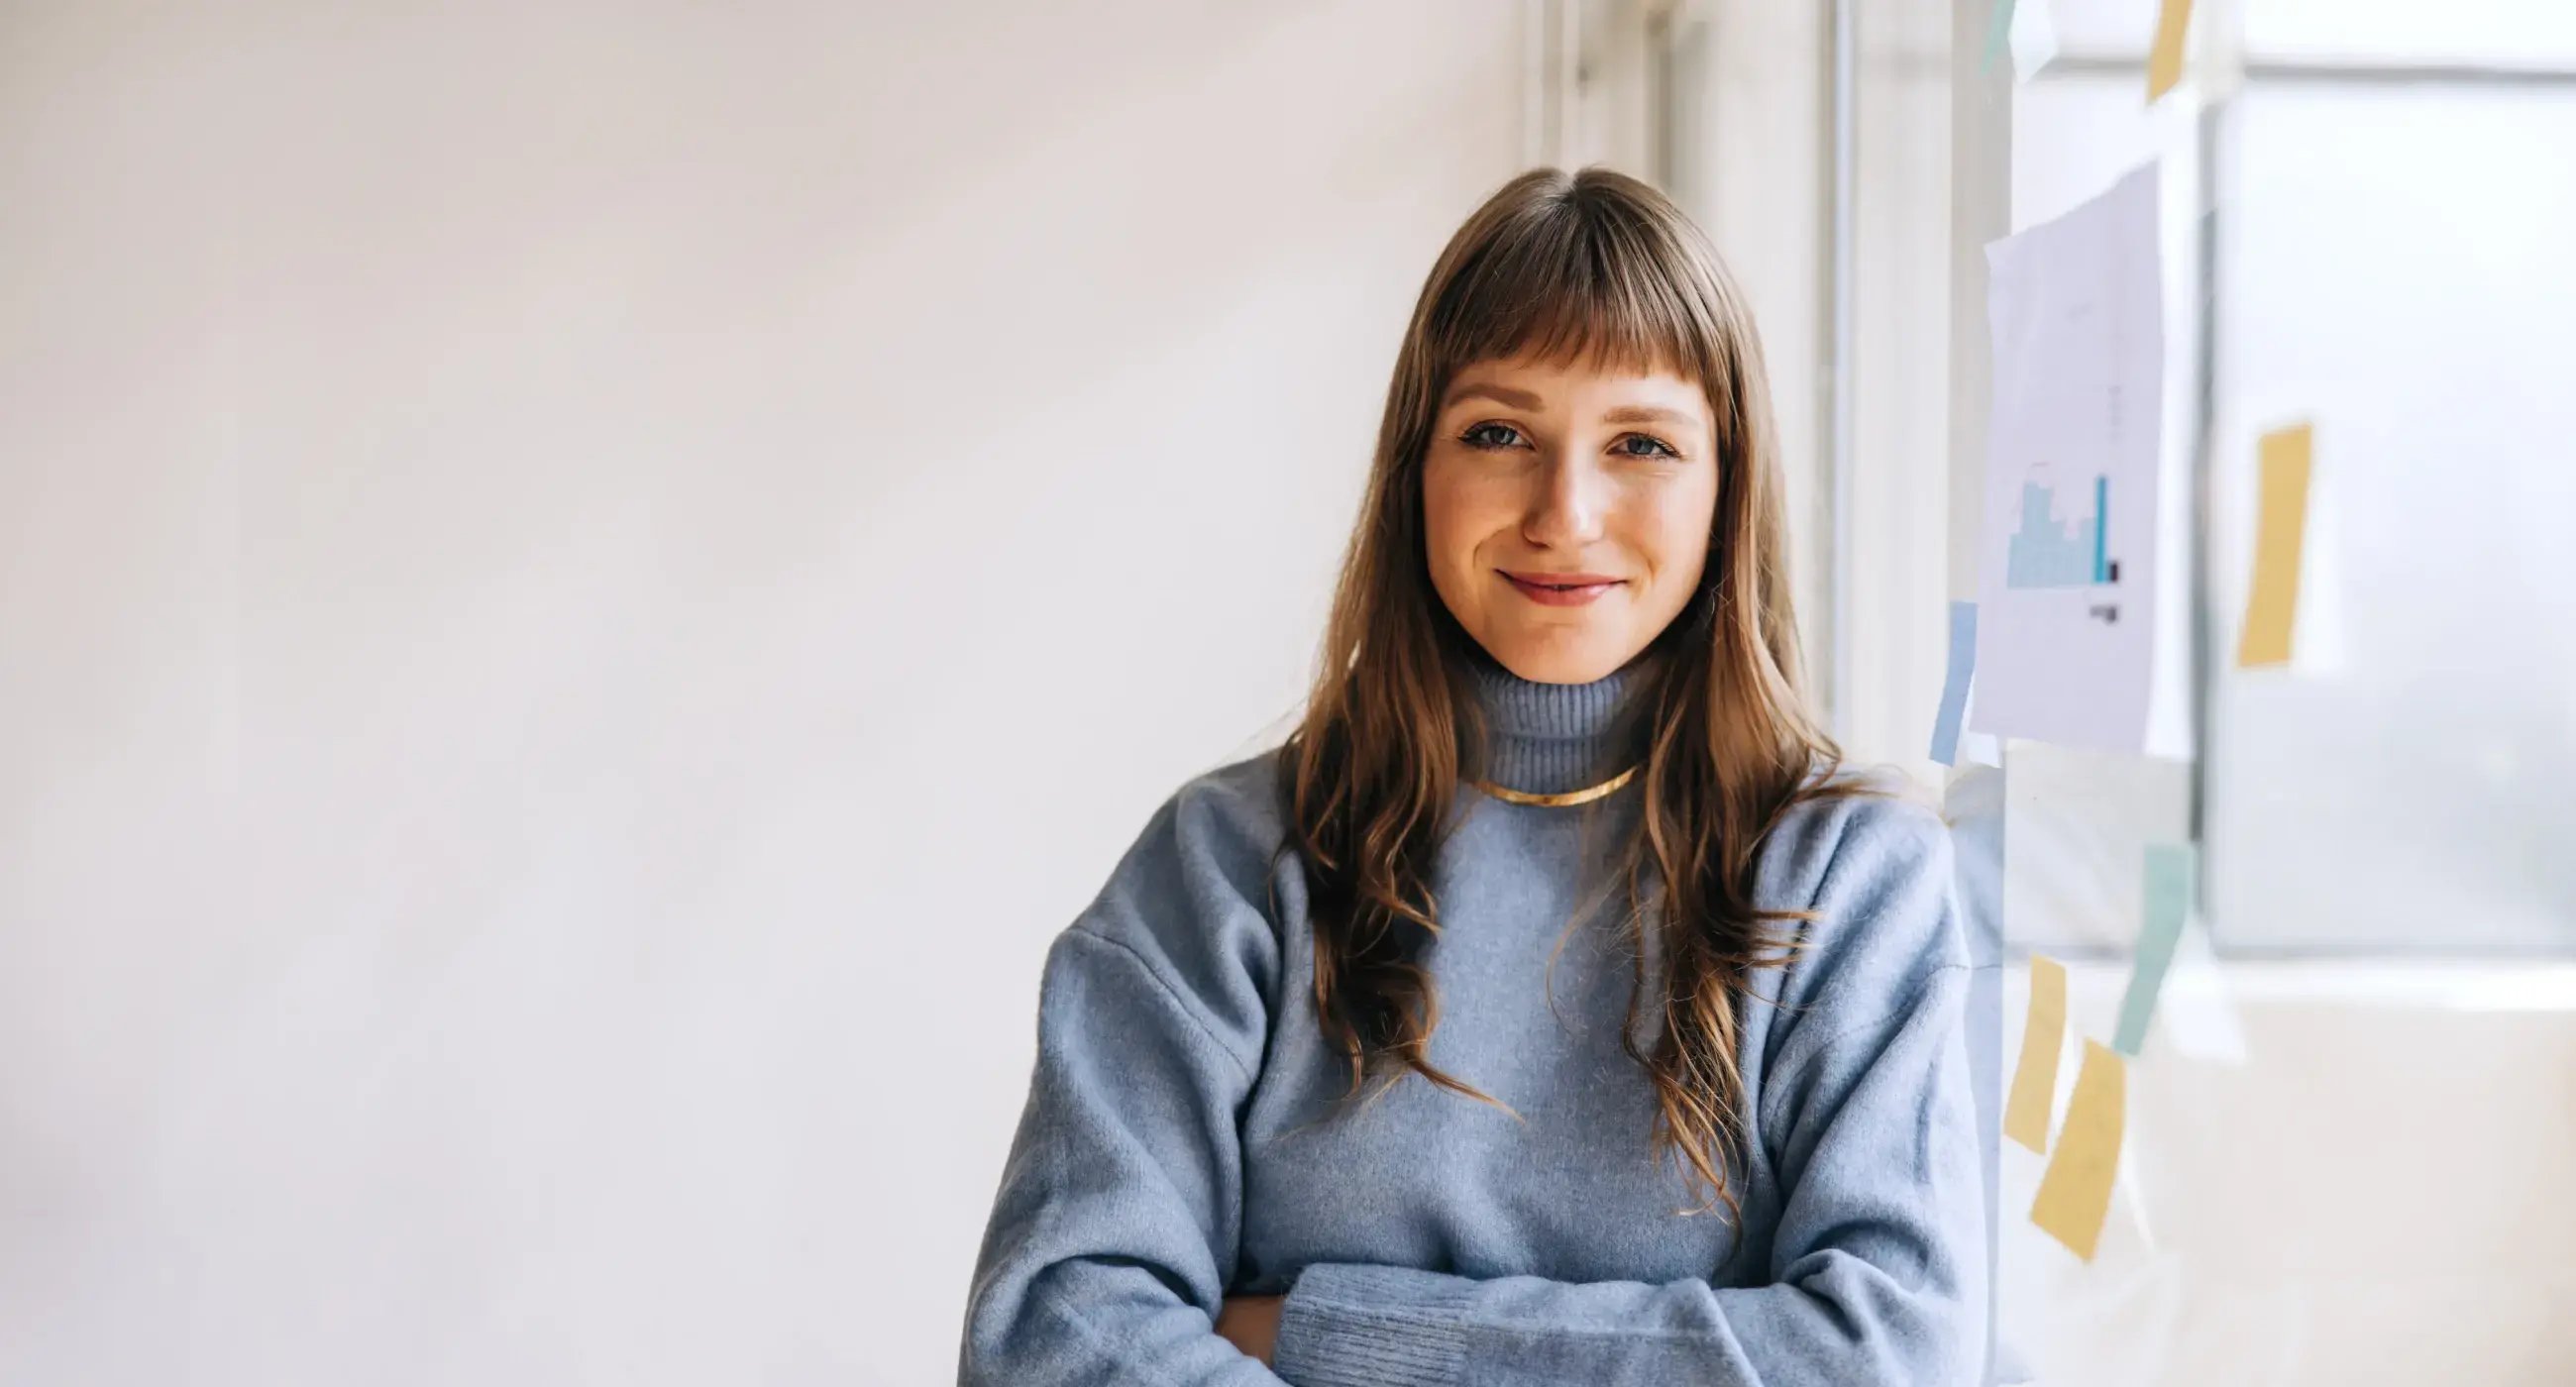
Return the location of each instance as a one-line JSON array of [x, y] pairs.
[[1566, 510]]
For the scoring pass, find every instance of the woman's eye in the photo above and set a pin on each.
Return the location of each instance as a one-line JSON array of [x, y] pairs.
[[1645, 447], [1490, 436]]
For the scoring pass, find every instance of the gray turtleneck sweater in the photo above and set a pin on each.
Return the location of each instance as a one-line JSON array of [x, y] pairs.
[[1176, 1145]]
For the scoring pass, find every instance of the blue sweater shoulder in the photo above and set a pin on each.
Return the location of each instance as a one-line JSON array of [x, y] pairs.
[[1874, 866], [1196, 900]]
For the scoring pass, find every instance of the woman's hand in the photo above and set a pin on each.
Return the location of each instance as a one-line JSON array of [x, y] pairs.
[[1252, 1323]]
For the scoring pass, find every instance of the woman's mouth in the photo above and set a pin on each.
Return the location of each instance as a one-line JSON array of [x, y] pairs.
[[1560, 589]]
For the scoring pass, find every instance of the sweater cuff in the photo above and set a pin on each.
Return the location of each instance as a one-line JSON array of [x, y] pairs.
[[1354, 1325]]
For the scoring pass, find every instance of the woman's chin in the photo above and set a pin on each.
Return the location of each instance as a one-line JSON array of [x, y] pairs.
[[1547, 657]]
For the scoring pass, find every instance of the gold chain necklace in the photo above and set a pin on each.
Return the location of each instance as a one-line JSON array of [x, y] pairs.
[[1557, 801]]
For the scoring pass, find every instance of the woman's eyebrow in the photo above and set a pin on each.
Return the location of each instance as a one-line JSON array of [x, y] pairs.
[[1646, 414], [1501, 394]]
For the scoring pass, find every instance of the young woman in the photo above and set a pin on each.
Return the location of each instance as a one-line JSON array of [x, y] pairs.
[[1551, 1007]]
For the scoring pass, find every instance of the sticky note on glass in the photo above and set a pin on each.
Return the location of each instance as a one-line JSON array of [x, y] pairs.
[[2280, 537], [2033, 39], [1954, 688], [2164, 60], [2075, 1193], [1999, 23], [2043, 1036], [2167, 905]]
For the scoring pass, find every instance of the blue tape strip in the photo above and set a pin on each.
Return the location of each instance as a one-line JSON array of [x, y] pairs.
[[1954, 691]]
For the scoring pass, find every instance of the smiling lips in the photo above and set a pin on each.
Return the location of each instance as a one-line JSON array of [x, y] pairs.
[[1560, 589]]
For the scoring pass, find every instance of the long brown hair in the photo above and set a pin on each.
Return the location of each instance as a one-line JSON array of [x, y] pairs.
[[1591, 266]]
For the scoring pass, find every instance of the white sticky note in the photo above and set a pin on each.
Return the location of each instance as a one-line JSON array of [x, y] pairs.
[[2034, 38]]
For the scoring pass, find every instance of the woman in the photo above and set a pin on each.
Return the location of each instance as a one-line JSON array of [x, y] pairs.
[[1550, 1008]]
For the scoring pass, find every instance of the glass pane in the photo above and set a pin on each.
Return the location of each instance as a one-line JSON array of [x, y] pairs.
[[2105, 28], [2498, 33], [2395, 263]]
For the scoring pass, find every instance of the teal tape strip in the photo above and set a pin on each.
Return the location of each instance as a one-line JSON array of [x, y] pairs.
[[1998, 33], [2168, 904]]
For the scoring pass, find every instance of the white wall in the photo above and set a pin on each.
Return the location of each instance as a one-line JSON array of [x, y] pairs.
[[582, 589]]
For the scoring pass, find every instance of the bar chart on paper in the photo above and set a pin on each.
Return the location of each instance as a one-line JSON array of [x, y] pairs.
[[2067, 573], [2047, 552]]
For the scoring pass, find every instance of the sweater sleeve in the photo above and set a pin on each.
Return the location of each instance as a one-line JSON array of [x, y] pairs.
[[1877, 1270], [1115, 1228]]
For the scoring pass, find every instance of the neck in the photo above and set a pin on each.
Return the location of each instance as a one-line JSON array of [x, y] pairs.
[[1554, 738]]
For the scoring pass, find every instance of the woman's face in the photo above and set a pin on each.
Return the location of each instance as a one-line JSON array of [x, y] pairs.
[[1539, 477]]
